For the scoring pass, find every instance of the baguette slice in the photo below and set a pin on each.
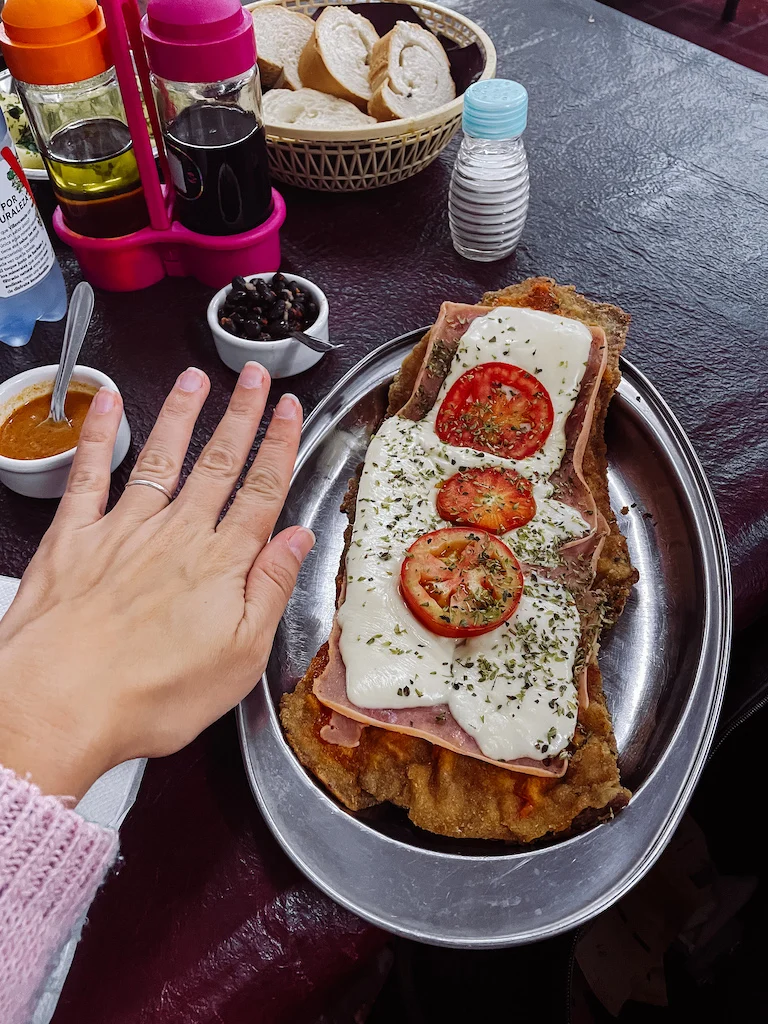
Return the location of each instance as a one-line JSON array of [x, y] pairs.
[[410, 74], [281, 35], [307, 108], [336, 58]]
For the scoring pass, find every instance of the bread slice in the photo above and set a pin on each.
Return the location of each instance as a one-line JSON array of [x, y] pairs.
[[308, 108], [336, 58], [410, 74], [281, 35]]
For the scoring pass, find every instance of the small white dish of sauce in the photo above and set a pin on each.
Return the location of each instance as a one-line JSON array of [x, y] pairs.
[[25, 465]]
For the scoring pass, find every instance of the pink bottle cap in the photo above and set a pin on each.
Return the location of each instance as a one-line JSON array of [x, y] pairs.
[[198, 40]]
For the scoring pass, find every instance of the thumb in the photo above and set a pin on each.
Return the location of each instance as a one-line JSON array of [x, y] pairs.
[[273, 576]]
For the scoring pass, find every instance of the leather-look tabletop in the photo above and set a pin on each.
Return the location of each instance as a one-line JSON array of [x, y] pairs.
[[649, 188]]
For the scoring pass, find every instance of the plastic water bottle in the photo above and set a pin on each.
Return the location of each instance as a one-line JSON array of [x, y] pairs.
[[488, 198], [31, 285]]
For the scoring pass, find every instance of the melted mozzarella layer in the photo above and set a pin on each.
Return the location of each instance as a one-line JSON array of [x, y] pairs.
[[515, 685], [511, 689], [552, 348]]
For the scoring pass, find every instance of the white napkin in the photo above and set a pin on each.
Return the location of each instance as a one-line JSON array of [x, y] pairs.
[[107, 802]]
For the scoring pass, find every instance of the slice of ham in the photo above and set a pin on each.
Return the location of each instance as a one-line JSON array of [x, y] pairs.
[[444, 338], [579, 557], [343, 732], [435, 724]]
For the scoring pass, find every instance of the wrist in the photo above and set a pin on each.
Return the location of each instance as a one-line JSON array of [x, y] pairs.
[[40, 739]]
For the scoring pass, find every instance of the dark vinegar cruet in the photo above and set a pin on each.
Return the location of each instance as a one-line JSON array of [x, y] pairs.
[[218, 160], [206, 87]]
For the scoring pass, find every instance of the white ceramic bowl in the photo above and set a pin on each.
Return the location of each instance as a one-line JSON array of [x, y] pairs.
[[282, 358], [47, 478]]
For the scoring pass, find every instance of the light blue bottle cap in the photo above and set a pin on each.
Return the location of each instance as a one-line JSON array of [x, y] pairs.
[[495, 109]]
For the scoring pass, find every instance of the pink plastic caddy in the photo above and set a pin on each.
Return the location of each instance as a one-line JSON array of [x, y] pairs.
[[215, 32], [145, 257]]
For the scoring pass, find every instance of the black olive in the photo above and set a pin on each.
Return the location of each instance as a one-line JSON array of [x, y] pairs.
[[295, 289], [311, 311], [237, 296], [227, 324], [277, 328], [252, 329], [238, 282]]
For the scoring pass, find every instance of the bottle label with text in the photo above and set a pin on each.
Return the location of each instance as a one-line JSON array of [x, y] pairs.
[[26, 254]]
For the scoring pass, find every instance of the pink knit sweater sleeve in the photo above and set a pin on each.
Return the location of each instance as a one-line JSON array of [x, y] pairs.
[[52, 862]]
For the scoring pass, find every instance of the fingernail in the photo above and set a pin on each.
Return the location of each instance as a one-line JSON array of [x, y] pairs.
[[288, 408], [104, 400], [191, 380], [301, 542], [252, 375]]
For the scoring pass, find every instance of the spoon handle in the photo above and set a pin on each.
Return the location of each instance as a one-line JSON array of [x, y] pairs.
[[78, 319], [316, 344]]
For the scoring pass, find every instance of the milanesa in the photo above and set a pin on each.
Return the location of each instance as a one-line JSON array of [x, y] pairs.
[[488, 758]]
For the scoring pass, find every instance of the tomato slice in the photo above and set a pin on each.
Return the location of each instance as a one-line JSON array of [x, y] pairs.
[[496, 408], [460, 582], [494, 499]]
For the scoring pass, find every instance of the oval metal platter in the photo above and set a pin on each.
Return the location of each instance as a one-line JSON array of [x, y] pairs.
[[664, 666]]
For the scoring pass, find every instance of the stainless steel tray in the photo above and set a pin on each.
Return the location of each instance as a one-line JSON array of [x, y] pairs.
[[664, 666]]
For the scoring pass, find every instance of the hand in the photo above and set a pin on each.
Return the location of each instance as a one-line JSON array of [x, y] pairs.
[[133, 631]]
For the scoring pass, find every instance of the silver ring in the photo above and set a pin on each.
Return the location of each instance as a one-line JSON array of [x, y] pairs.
[[152, 483]]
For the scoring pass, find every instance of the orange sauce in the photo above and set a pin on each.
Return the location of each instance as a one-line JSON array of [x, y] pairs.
[[23, 435]]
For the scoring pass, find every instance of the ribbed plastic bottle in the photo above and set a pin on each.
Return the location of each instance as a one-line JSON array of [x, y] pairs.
[[488, 198], [31, 285]]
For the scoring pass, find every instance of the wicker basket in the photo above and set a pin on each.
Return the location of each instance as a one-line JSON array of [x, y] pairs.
[[362, 158]]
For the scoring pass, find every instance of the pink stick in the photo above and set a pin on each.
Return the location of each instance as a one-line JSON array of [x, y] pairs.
[[158, 214], [132, 18]]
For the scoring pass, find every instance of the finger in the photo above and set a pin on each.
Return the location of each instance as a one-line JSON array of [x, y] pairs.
[[221, 462], [162, 457], [271, 581], [252, 517], [87, 490]]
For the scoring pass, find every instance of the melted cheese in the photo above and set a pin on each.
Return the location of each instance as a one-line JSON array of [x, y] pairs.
[[511, 689]]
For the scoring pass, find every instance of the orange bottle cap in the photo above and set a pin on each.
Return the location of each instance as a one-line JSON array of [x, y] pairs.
[[53, 42]]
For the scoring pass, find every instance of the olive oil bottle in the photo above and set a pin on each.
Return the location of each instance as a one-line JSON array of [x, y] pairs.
[[93, 172], [58, 52]]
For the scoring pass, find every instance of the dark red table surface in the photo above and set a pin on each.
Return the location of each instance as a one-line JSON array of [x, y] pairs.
[[649, 189]]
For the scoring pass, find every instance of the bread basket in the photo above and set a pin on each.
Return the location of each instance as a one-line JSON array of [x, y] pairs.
[[363, 158]]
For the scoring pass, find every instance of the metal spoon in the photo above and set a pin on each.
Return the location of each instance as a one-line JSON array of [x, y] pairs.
[[316, 344], [78, 319]]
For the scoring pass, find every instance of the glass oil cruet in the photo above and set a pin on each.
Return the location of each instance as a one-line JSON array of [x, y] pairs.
[[58, 52]]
